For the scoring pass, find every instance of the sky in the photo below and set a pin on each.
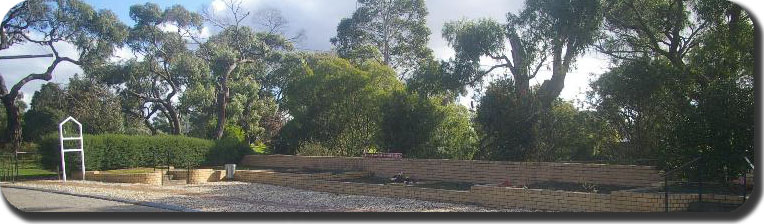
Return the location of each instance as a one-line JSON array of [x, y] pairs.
[[318, 19]]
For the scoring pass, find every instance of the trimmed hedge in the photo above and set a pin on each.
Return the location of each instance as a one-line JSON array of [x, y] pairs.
[[112, 151]]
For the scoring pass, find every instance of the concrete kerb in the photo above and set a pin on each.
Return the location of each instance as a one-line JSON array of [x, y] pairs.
[[134, 202]]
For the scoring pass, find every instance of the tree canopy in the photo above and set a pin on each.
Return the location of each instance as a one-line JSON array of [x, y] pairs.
[[392, 32]]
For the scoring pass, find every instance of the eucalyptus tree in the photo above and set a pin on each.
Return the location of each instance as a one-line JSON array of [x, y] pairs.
[[230, 55], [546, 33], [49, 24], [163, 65], [696, 59], [238, 56], [393, 32]]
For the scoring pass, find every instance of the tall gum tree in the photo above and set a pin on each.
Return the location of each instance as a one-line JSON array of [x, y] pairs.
[[544, 32], [234, 53], [228, 51], [48, 23], [165, 65], [394, 32]]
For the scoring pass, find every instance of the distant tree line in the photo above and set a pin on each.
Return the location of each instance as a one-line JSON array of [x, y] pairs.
[[680, 83]]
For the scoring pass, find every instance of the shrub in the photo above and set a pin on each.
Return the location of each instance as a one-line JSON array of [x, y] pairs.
[[111, 151], [231, 148]]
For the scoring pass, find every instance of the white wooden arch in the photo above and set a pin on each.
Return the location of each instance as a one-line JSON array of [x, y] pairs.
[[65, 150]]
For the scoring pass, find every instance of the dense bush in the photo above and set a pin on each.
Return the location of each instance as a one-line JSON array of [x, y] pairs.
[[337, 105], [425, 127], [229, 149], [110, 151]]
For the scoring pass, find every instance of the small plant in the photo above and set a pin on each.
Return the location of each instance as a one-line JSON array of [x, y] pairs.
[[589, 187], [401, 178], [372, 150]]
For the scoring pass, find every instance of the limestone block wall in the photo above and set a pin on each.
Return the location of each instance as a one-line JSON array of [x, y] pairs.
[[201, 176], [475, 171], [198, 176], [153, 178], [617, 201], [489, 195]]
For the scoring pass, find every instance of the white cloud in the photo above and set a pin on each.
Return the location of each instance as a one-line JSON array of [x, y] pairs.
[[217, 5]]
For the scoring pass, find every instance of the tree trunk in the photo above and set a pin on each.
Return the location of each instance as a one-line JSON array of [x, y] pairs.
[[13, 126], [222, 104], [222, 101], [151, 128], [174, 118]]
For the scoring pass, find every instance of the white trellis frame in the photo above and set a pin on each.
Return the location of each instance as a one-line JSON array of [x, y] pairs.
[[65, 150]]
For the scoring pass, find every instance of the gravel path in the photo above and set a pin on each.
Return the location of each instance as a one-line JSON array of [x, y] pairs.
[[252, 197], [38, 201]]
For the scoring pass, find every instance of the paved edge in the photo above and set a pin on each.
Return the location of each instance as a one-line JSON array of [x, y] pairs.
[[142, 203]]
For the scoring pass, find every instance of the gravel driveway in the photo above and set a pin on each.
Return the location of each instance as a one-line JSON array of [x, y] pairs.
[[251, 197], [39, 201]]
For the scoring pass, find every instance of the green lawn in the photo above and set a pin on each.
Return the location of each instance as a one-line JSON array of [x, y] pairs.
[[36, 174]]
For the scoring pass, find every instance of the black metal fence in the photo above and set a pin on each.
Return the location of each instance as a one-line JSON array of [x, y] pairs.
[[694, 187], [8, 167]]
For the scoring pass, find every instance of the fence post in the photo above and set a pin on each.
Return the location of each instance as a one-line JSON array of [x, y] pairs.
[[666, 192], [745, 185], [16, 167], [700, 181]]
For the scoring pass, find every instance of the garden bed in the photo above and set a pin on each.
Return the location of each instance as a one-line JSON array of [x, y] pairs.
[[577, 187], [291, 170], [444, 185]]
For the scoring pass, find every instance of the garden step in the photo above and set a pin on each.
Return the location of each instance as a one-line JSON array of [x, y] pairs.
[[174, 182]]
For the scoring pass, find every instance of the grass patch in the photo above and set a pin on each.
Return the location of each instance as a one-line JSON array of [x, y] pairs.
[[31, 174]]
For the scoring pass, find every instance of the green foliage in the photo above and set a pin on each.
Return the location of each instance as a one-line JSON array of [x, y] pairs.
[[229, 149], [337, 105], [310, 148], [435, 78], [503, 120], [393, 32], [682, 88], [513, 129], [112, 151], [90, 102], [95, 34], [421, 127]]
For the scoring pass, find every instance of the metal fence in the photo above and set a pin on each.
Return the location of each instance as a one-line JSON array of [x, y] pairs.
[[690, 187]]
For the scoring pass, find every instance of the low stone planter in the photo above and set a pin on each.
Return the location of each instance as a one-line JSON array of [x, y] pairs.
[[153, 178], [198, 176]]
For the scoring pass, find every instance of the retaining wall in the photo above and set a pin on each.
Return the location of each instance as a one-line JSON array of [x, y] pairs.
[[154, 178], [198, 176], [491, 195], [475, 171]]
